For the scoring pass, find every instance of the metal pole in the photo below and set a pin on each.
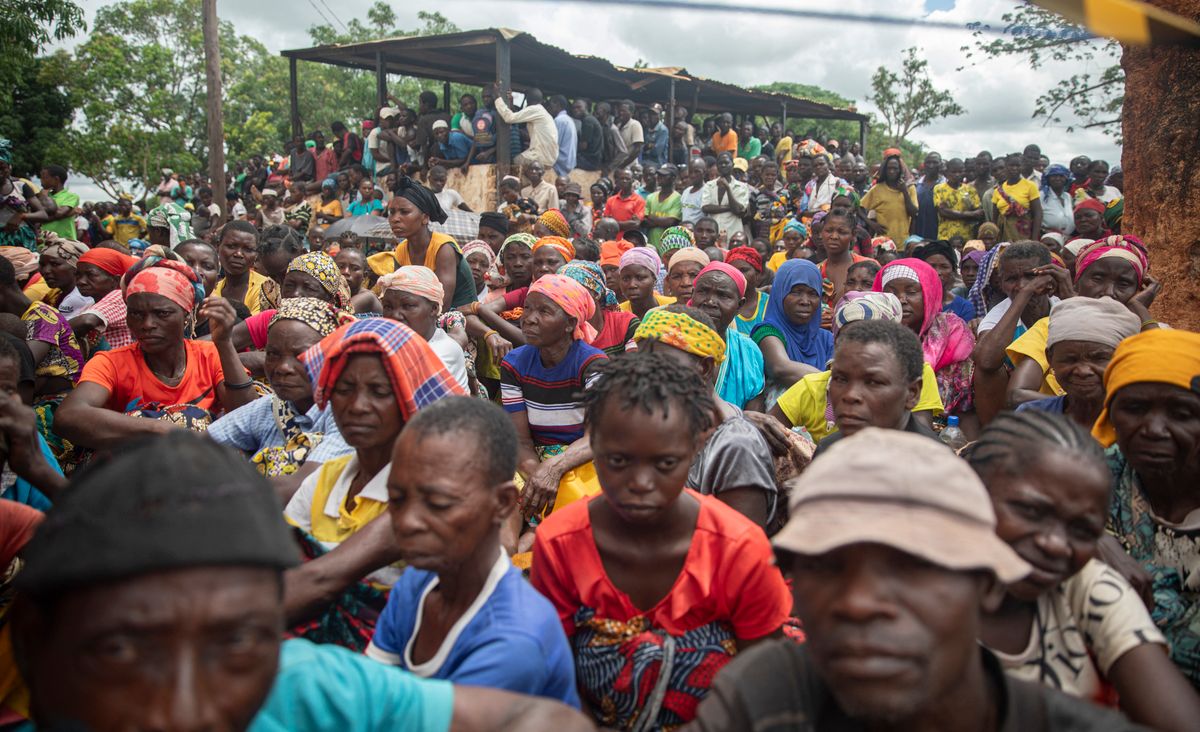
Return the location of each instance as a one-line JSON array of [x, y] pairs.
[[380, 81], [862, 138], [671, 124], [216, 127], [446, 96], [295, 97], [784, 105], [503, 134]]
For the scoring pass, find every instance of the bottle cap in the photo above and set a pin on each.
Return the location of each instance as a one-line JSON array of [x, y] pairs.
[[952, 421]]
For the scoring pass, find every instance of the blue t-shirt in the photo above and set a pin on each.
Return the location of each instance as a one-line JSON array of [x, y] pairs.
[[359, 208], [1054, 405], [457, 147], [961, 307], [326, 687], [512, 641], [22, 491], [550, 397]]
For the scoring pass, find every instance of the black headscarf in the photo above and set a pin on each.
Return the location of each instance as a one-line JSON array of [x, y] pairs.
[[421, 197], [494, 220], [928, 249]]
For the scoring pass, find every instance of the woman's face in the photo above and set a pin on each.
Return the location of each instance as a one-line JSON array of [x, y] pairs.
[[944, 268], [1052, 514], [366, 190], [203, 261], [414, 311], [546, 260], [753, 276], [912, 302], [1079, 367], [1089, 223], [156, 323], [988, 238], [286, 340], [969, 271], [479, 267], [717, 295], [859, 279], [891, 170], [598, 197], [1158, 429], [94, 282], [518, 264], [836, 235], [792, 239], [57, 272], [364, 404], [352, 265], [637, 282], [680, 279], [302, 284], [801, 304], [1098, 173], [641, 460], [1109, 277], [238, 252], [544, 323], [405, 219]]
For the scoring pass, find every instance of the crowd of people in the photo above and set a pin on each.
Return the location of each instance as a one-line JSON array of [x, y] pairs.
[[757, 435]]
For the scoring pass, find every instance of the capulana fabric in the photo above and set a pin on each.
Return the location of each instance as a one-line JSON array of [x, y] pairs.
[[591, 276], [749, 255], [421, 197], [675, 237], [321, 267], [1119, 246], [521, 238], [1160, 356], [563, 246], [417, 375], [175, 281], [553, 220], [67, 250], [856, 305], [319, 315], [479, 246], [641, 257], [416, 280], [173, 217], [170, 502], [1102, 320], [573, 298], [682, 332]]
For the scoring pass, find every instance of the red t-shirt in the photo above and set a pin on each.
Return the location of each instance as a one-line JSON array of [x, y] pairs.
[[617, 334], [728, 575], [624, 209], [131, 385]]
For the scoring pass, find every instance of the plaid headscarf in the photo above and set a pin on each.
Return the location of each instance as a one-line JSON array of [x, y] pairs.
[[319, 315], [556, 222], [573, 298], [591, 276], [321, 267], [418, 376], [682, 332], [675, 237]]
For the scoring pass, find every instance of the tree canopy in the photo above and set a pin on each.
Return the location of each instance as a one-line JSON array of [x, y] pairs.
[[909, 101]]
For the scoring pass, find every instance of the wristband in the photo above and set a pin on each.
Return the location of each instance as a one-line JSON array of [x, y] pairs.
[[239, 387], [489, 334], [1147, 323]]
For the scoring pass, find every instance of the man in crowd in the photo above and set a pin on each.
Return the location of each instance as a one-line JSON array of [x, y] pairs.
[[631, 134], [125, 224], [59, 205], [590, 151], [568, 138], [325, 160], [726, 199], [543, 131], [658, 139]]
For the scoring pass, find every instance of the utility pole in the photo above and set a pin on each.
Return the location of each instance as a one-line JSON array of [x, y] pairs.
[[216, 123]]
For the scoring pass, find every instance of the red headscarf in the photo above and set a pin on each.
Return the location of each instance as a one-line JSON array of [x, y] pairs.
[[748, 255], [109, 260]]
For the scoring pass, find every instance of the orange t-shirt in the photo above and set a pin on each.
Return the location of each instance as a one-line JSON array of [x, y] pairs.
[[131, 385], [728, 143]]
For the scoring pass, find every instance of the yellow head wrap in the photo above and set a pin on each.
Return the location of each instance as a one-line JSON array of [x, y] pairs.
[[682, 332], [1161, 356]]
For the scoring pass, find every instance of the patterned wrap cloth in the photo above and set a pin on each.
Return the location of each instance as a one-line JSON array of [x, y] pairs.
[[675, 237], [553, 220], [575, 300], [174, 218], [1125, 247], [682, 332], [866, 306], [415, 280], [591, 276], [53, 245], [564, 247], [321, 267], [173, 280]]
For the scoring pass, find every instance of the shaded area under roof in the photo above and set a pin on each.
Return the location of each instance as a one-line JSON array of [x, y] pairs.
[[472, 58]]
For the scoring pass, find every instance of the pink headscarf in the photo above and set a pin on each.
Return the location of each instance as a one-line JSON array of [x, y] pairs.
[[642, 257], [1125, 247], [173, 280], [728, 269], [417, 280], [573, 298], [945, 338]]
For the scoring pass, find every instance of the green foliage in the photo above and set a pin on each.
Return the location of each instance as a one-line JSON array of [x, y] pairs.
[[1033, 36], [38, 112], [908, 100], [26, 26]]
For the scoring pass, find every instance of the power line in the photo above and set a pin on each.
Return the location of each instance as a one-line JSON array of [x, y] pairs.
[[314, 7], [335, 16]]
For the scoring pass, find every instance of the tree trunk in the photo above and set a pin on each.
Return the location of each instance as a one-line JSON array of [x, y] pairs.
[[1161, 128]]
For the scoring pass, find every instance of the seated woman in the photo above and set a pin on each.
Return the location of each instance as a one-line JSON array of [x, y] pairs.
[[57, 265], [409, 214], [482, 261], [202, 257], [615, 328], [639, 276], [547, 255], [1151, 425], [315, 275], [238, 250], [413, 295], [286, 430], [540, 384], [791, 339], [719, 291], [1080, 340], [1074, 624], [749, 262], [945, 338], [48, 334], [944, 260], [807, 403], [649, 575], [685, 265], [461, 611], [164, 380], [98, 275], [353, 265]]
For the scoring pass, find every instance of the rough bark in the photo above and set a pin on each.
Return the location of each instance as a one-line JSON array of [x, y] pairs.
[[1161, 161]]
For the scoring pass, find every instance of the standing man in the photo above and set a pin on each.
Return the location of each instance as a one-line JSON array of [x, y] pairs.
[[538, 190], [325, 160], [615, 149], [301, 164], [658, 139], [590, 151], [692, 196], [124, 224], [625, 206], [958, 206], [725, 199], [568, 138], [1030, 158], [927, 211], [725, 139], [59, 206], [631, 133], [543, 132]]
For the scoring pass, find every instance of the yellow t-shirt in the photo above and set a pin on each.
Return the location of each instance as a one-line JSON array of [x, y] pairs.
[[964, 198], [1032, 345], [776, 261], [333, 208], [1023, 192], [890, 212], [804, 403], [253, 299], [660, 300], [785, 144]]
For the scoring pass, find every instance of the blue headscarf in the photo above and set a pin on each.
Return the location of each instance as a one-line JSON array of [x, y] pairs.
[[808, 342], [1056, 169]]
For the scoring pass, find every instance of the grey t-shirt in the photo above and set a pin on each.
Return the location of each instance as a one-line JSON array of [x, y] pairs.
[[735, 456]]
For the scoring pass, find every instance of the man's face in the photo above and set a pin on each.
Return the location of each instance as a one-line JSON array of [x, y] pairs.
[[468, 105], [1079, 166], [578, 109], [319, 138], [124, 207], [725, 165], [534, 172], [652, 118], [724, 123], [1015, 273], [820, 166], [933, 165], [706, 233], [891, 634], [860, 172], [437, 180], [441, 134], [624, 113], [197, 648], [624, 180]]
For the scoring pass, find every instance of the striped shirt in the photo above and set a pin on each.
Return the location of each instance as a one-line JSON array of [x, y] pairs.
[[550, 397]]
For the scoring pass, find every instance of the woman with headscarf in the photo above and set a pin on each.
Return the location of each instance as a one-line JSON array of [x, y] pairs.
[[1089, 220], [16, 199], [164, 380], [944, 260], [1151, 425], [315, 275], [98, 275], [168, 225], [685, 266], [413, 296], [1058, 209], [892, 200], [791, 339], [540, 383], [639, 275], [551, 223], [719, 291], [806, 403], [286, 430], [986, 293], [946, 340], [373, 375], [672, 240], [614, 327], [989, 234], [57, 265], [410, 211], [549, 254], [749, 262], [794, 234], [481, 259], [968, 271]]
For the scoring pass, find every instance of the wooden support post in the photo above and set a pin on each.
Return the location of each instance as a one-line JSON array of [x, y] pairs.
[[446, 96], [216, 126], [503, 133], [294, 98], [671, 124], [381, 90], [784, 118], [862, 138]]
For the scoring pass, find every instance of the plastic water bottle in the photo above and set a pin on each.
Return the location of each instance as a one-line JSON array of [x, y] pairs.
[[952, 435]]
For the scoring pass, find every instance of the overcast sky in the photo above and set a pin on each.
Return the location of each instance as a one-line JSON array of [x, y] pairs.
[[999, 96]]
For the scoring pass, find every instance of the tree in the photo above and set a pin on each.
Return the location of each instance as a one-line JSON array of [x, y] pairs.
[[909, 101], [28, 25], [38, 113], [1090, 97], [382, 17]]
